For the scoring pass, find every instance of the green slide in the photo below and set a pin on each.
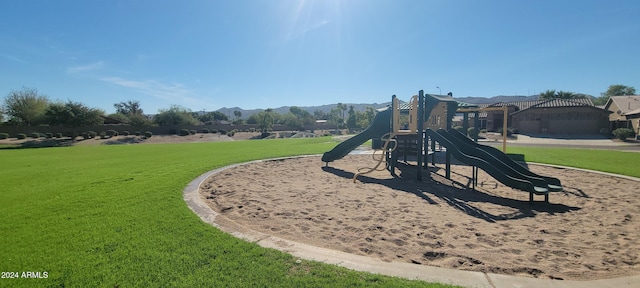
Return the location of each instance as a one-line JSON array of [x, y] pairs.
[[554, 184], [495, 169], [381, 125], [469, 149]]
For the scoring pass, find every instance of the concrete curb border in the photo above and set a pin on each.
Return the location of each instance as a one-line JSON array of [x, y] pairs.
[[191, 195]]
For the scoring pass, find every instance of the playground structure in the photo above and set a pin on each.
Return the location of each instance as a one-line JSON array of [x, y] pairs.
[[390, 137]]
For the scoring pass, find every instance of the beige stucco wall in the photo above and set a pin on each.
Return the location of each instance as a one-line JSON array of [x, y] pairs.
[[561, 120]]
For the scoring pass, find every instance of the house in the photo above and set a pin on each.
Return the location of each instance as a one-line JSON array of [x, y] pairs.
[[625, 112], [554, 116], [562, 116]]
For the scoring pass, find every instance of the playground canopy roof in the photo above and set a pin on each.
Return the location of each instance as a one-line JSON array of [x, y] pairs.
[[463, 105], [406, 106]]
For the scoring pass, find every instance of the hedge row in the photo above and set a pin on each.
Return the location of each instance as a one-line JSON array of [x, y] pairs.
[[85, 135]]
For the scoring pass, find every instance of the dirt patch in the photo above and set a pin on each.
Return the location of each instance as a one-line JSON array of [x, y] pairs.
[[156, 139], [589, 231]]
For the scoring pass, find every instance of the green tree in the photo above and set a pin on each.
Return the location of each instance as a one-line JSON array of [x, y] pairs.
[[352, 121], [237, 113], [26, 106], [265, 120], [547, 95], [552, 94], [319, 115], [293, 121], [130, 112], [335, 118], [120, 117], [614, 90], [175, 115], [128, 108], [343, 108], [210, 116], [74, 115], [139, 120], [565, 95], [302, 115], [365, 118]]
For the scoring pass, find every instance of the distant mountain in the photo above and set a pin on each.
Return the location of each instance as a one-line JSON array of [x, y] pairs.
[[362, 106], [285, 109], [495, 99]]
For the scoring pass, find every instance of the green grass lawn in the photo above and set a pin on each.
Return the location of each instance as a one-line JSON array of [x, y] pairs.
[[618, 162], [113, 216]]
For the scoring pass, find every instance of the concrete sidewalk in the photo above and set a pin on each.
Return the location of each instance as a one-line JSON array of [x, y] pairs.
[[192, 197], [569, 140]]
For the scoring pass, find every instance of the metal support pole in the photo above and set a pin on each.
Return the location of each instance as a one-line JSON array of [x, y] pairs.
[[505, 111], [476, 125], [433, 150], [393, 155], [448, 164], [465, 122], [420, 127]]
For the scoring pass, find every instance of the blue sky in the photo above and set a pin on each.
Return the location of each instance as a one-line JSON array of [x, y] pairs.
[[205, 55]]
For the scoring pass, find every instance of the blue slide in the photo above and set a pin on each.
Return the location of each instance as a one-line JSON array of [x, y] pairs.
[[498, 170], [380, 126]]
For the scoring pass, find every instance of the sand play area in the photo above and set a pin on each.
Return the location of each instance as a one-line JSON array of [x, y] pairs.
[[589, 231]]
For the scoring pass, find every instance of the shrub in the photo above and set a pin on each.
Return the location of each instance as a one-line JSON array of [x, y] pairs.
[[214, 131], [148, 134], [232, 132], [137, 133], [89, 135], [125, 133], [112, 133], [510, 131], [103, 135], [173, 131], [500, 131], [192, 132], [205, 131], [4, 135], [252, 129], [35, 135], [460, 129], [184, 132], [483, 130], [223, 132], [48, 135], [21, 136], [473, 132], [623, 133], [58, 135]]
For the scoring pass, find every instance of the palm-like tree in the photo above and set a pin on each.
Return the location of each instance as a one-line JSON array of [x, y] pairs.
[[565, 95], [549, 94]]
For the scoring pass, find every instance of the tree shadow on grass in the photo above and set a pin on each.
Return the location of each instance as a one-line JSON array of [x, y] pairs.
[[48, 143], [456, 195]]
